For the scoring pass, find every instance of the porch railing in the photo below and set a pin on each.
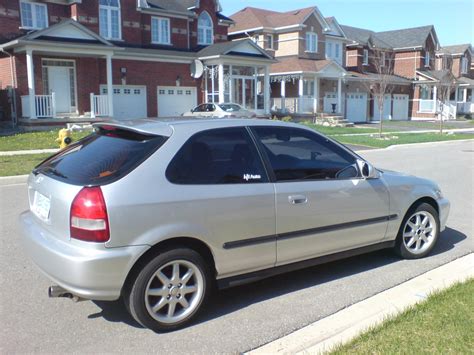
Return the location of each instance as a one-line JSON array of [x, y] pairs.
[[45, 105], [448, 110], [426, 105], [294, 104], [465, 107], [99, 105]]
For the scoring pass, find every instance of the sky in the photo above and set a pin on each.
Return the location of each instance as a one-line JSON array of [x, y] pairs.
[[453, 19]]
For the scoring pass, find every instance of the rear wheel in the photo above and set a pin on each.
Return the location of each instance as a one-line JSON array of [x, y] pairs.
[[418, 233], [170, 290]]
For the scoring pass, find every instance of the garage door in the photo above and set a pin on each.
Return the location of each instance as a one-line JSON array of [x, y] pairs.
[[356, 106], [175, 100], [129, 101], [387, 108], [400, 107]]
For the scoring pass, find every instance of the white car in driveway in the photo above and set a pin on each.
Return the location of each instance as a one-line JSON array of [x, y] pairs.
[[226, 110]]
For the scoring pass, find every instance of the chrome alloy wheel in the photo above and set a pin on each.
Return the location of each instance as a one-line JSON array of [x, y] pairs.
[[174, 291], [419, 232]]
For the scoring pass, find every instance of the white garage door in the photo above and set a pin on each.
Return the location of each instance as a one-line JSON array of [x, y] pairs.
[[356, 107], [129, 101], [400, 107], [387, 108], [175, 100]]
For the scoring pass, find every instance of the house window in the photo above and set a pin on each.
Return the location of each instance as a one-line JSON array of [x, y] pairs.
[[160, 30], [109, 18], [382, 59], [269, 41], [205, 29], [333, 51], [427, 59], [311, 42], [365, 58], [33, 15], [464, 65]]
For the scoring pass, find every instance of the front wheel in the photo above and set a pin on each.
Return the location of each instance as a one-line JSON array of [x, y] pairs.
[[418, 233], [170, 290]]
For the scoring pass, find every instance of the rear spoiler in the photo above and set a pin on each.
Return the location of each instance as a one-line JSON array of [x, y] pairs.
[[139, 126]]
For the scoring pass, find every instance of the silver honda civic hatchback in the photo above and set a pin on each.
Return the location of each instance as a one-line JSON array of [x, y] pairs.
[[159, 212]]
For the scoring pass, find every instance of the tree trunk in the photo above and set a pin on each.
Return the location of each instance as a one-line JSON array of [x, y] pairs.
[[381, 122], [440, 115]]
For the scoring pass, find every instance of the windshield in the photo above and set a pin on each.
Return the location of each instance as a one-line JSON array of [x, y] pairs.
[[230, 107], [101, 158]]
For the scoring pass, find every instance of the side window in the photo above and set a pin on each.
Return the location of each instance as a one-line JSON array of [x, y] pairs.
[[218, 156], [200, 108], [297, 154]]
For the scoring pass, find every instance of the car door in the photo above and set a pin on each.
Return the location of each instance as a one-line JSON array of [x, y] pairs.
[[323, 205], [223, 184]]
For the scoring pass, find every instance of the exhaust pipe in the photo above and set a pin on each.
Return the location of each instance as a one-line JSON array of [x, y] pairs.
[[56, 291]]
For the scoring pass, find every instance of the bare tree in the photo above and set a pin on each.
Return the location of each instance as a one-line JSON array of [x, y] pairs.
[[381, 61], [445, 83]]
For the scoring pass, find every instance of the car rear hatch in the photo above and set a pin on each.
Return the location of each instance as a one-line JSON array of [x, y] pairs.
[[105, 156]]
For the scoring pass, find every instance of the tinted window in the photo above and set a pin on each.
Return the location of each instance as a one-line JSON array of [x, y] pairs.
[[201, 108], [220, 156], [230, 107], [297, 154], [100, 158]]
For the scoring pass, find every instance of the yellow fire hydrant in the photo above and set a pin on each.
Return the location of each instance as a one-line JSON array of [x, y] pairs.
[[64, 138]]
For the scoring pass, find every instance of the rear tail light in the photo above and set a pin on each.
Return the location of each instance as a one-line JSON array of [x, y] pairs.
[[89, 220]]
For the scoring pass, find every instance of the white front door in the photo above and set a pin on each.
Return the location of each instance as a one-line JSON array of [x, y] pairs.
[[356, 107], [400, 107], [175, 100], [60, 84], [330, 98], [387, 108]]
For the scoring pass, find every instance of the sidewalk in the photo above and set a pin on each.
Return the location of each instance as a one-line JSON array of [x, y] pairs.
[[453, 130], [23, 152], [348, 323]]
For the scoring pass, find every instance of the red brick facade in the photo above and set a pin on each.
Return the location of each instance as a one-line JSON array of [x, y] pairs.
[[91, 71]]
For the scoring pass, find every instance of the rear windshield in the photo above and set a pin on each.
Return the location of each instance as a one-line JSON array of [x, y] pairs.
[[100, 158]]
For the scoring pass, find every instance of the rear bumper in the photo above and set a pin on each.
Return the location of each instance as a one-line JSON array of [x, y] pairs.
[[88, 271], [444, 207]]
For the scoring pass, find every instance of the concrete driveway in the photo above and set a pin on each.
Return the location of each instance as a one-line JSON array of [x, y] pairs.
[[237, 319]]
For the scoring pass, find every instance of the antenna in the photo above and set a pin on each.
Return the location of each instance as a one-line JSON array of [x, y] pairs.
[[197, 69]]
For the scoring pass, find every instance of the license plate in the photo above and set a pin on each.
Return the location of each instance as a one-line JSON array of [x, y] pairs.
[[41, 206]]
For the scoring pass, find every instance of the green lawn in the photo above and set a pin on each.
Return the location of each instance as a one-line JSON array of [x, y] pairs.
[[34, 140], [402, 138], [330, 131], [443, 324], [20, 164]]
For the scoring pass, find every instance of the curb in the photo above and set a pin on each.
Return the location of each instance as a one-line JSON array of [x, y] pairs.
[[26, 152], [342, 326], [13, 180], [412, 144]]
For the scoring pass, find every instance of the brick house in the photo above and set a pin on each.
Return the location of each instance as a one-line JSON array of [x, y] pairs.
[[125, 58], [461, 56], [310, 52]]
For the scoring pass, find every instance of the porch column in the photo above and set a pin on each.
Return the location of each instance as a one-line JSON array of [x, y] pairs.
[[435, 98], [339, 95], [316, 93], [464, 95], [110, 89], [266, 91], [31, 83], [221, 82], [283, 87], [456, 89], [300, 86]]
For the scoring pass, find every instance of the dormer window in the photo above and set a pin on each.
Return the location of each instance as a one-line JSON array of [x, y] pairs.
[[205, 29], [109, 18], [427, 59], [33, 15], [464, 65], [365, 57], [311, 42], [269, 41]]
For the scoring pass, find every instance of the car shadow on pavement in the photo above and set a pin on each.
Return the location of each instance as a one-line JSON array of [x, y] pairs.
[[230, 300]]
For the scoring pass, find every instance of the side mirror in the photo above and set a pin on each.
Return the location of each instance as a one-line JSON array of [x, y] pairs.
[[367, 170], [192, 110]]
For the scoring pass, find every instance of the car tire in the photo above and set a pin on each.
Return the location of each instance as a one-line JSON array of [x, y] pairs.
[[170, 290], [418, 232]]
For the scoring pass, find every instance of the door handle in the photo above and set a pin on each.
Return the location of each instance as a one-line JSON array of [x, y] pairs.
[[297, 199]]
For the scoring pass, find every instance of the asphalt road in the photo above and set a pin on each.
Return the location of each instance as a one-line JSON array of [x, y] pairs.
[[237, 319]]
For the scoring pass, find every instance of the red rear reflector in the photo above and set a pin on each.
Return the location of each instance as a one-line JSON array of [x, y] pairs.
[[89, 220]]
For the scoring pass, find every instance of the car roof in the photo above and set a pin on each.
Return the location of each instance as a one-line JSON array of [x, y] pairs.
[[166, 126]]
